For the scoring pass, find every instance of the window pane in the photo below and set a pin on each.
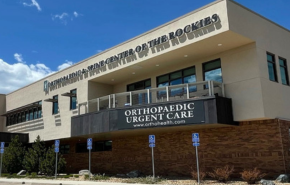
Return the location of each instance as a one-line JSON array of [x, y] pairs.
[[108, 145], [175, 75], [190, 79], [27, 115], [190, 71], [30, 115], [162, 79], [131, 88], [283, 76], [147, 83], [73, 102], [215, 75], [99, 146], [282, 62], [270, 58], [271, 71], [212, 65], [35, 112]]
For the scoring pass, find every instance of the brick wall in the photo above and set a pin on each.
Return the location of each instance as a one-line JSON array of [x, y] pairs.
[[251, 144]]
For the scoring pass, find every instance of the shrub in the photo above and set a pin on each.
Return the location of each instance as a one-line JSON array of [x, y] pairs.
[[34, 156], [222, 174], [27, 174], [202, 175], [13, 156], [33, 175], [47, 165], [86, 176], [251, 176], [76, 176]]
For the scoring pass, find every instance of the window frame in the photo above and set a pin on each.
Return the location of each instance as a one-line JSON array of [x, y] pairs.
[[53, 113], [182, 75], [204, 71], [274, 66], [141, 81], [63, 149], [285, 67], [70, 100]]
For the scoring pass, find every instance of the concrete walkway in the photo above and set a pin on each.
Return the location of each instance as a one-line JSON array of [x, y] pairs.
[[54, 182]]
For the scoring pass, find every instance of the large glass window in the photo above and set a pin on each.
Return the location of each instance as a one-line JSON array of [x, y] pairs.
[[212, 71], [272, 67], [64, 149], [55, 105], [140, 98], [24, 115], [283, 71], [175, 78], [73, 99]]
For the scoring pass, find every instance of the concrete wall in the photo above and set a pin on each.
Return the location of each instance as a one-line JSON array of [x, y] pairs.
[[272, 38], [2, 111]]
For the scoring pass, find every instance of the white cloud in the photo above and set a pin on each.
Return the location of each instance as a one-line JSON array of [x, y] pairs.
[[33, 3], [18, 57], [76, 14], [19, 74], [65, 16], [62, 17], [65, 65]]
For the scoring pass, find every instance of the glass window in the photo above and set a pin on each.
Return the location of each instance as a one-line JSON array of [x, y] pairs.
[[284, 71], [175, 78], [272, 67], [64, 149], [55, 105], [31, 114], [140, 98], [35, 113], [213, 71], [73, 99], [27, 115]]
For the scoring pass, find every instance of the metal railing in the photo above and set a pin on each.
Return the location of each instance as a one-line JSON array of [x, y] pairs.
[[154, 95]]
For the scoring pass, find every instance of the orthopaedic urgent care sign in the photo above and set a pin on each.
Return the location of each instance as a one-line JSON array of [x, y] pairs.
[[168, 114]]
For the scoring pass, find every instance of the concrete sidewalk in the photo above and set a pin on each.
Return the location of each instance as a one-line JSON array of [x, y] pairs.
[[54, 182]]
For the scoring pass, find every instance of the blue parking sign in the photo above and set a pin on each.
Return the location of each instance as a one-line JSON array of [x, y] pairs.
[[56, 150], [89, 142], [2, 144], [2, 151], [195, 137], [195, 144], [90, 147], [56, 143], [151, 138], [151, 145]]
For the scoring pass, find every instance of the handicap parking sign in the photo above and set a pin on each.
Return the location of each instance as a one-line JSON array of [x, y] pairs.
[[56, 143], [2, 144], [151, 138], [56, 150], [195, 137], [89, 142]]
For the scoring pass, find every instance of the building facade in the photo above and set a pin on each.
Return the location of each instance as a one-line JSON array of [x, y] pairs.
[[220, 70]]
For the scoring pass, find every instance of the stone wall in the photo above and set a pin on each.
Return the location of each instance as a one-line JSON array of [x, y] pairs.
[[251, 144]]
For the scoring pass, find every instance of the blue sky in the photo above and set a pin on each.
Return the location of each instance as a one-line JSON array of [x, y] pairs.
[[38, 37]]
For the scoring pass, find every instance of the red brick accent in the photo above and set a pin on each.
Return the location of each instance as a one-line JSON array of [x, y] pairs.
[[251, 144]]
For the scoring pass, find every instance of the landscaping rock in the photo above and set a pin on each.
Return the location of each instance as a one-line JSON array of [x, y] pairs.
[[133, 174], [22, 172], [283, 178], [266, 182], [85, 172]]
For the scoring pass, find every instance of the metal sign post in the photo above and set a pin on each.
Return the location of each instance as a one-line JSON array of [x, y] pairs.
[[56, 150], [152, 145], [195, 140], [89, 145], [1, 151]]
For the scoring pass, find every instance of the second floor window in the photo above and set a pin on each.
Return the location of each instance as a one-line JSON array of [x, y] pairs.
[[284, 71], [272, 67], [73, 99], [55, 105]]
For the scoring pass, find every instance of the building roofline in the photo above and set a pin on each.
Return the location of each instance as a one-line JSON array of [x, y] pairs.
[[147, 32], [134, 38]]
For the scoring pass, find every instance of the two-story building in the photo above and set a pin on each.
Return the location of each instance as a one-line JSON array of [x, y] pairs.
[[220, 71]]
